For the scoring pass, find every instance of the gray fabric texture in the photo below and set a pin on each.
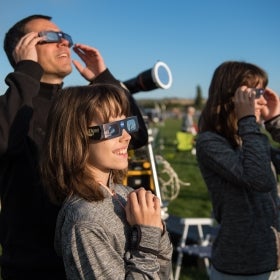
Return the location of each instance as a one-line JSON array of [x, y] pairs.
[[243, 190], [94, 239]]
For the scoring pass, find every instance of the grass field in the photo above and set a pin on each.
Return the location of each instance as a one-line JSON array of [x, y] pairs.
[[193, 200]]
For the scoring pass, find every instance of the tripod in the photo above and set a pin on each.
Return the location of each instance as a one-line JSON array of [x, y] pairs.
[[153, 165], [142, 170]]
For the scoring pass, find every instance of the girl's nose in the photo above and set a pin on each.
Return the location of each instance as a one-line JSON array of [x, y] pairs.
[[125, 135], [262, 100]]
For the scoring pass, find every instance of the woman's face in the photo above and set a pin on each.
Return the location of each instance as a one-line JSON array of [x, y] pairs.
[[260, 102], [108, 154]]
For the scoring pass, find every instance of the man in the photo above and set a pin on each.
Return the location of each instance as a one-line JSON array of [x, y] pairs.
[[40, 54]]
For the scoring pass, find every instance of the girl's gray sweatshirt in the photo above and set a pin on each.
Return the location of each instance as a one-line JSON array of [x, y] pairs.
[[96, 242]]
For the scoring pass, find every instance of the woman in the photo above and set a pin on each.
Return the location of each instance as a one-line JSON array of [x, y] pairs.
[[104, 229], [235, 159]]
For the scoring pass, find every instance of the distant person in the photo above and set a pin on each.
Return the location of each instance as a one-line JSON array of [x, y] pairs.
[[188, 124], [104, 230], [40, 54], [238, 165]]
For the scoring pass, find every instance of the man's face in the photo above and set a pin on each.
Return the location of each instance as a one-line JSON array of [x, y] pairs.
[[55, 58]]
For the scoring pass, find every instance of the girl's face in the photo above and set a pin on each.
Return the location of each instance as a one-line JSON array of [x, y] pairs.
[[105, 155], [260, 103]]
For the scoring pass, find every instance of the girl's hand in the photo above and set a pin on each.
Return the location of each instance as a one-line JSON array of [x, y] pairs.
[[143, 208], [272, 107], [244, 102]]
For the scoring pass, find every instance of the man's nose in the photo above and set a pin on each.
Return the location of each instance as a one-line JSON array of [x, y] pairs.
[[64, 42]]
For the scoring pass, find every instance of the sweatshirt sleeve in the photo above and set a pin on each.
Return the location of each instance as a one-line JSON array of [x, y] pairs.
[[273, 127], [16, 104], [91, 255], [248, 166], [150, 254]]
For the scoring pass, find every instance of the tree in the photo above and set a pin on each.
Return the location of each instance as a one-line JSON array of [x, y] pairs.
[[198, 102]]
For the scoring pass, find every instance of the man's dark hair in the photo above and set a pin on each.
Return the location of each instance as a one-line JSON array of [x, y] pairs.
[[15, 33]]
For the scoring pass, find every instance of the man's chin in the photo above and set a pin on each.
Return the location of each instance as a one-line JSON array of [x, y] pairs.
[[65, 72]]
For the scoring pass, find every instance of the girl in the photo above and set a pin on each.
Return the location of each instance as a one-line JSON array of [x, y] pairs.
[[235, 159], [104, 229]]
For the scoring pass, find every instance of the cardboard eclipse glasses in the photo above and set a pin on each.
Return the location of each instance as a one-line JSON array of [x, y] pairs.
[[113, 129], [258, 92], [55, 37]]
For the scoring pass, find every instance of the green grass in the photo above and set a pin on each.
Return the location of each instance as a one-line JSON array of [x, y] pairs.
[[193, 200]]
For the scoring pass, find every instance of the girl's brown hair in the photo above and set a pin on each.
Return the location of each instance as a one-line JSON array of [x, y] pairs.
[[218, 114], [64, 159]]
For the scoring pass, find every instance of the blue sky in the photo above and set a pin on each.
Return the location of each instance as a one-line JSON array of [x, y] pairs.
[[191, 37]]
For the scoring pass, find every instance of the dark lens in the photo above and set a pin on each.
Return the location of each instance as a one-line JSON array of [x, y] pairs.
[[68, 38], [131, 125], [115, 129], [52, 37], [55, 37], [49, 36], [112, 130], [259, 92]]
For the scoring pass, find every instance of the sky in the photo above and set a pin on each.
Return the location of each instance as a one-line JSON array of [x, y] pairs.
[[193, 37]]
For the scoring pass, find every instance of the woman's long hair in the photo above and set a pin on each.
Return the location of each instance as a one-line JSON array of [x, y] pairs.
[[218, 114], [64, 161]]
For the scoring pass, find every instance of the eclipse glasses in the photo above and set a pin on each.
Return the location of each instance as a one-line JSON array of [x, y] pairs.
[[55, 37], [113, 129], [258, 92]]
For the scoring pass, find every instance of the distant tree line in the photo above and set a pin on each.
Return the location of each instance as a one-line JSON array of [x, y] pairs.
[[197, 102]]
